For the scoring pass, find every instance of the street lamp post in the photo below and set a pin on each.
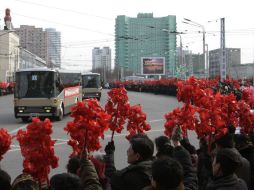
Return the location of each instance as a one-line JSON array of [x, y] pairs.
[[190, 22], [181, 46]]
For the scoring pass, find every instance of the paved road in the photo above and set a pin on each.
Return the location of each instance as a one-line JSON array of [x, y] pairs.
[[155, 106]]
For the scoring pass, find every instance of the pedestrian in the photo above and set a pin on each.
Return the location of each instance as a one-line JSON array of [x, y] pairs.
[[137, 174], [227, 141], [191, 149], [204, 166], [88, 179], [167, 174], [225, 164], [163, 147], [184, 157], [246, 149]]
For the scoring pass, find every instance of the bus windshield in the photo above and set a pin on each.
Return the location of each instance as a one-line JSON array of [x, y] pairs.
[[91, 81], [34, 84]]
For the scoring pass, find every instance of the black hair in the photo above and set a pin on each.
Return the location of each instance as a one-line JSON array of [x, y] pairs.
[[5, 180], [164, 148], [167, 173], [73, 164], [229, 160], [160, 141], [65, 181], [144, 146]]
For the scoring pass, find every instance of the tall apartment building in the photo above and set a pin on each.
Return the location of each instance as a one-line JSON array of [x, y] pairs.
[[144, 36], [101, 61], [233, 58], [54, 47], [9, 55], [45, 44]]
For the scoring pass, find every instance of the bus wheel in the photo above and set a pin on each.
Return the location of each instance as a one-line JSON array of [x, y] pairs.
[[61, 113], [25, 119]]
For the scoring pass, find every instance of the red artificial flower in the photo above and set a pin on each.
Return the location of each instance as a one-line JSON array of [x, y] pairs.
[[5, 142], [246, 118], [89, 124], [118, 107], [136, 121], [184, 118], [37, 148]]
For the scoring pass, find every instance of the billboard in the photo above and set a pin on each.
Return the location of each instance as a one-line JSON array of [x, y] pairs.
[[153, 65]]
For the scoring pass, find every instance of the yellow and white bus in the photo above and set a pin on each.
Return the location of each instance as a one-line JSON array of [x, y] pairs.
[[44, 92], [91, 85]]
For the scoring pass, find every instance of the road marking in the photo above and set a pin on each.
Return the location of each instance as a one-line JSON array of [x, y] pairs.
[[64, 141], [16, 130]]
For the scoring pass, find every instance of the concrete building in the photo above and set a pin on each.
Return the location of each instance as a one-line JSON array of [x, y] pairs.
[[242, 71], [54, 47], [233, 58], [144, 36], [101, 61], [9, 55], [45, 44]]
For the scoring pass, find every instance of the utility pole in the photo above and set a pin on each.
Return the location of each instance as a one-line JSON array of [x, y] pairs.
[[190, 22], [223, 64]]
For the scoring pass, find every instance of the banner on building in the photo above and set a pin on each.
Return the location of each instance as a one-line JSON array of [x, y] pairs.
[[153, 65]]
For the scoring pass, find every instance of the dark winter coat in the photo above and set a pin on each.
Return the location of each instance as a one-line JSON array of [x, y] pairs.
[[134, 177], [190, 175], [244, 171], [248, 153], [204, 168], [230, 182], [88, 176]]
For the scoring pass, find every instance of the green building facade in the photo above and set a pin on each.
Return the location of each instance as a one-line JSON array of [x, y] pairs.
[[144, 36]]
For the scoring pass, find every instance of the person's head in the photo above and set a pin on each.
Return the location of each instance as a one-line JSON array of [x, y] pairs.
[[227, 140], [163, 146], [5, 180], [140, 149], [65, 181], [226, 162], [24, 182], [73, 165], [167, 174]]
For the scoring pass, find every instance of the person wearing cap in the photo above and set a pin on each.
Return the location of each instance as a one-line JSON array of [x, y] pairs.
[[225, 164], [137, 174]]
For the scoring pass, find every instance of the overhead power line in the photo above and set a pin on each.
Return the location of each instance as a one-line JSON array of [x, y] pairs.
[[66, 10]]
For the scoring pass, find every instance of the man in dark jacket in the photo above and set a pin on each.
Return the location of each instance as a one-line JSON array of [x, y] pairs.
[[225, 164], [227, 141], [183, 156], [246, 149], [137, 175], [167, 174]]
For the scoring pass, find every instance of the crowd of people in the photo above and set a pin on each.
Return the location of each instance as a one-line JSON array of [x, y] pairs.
[[162, 164]]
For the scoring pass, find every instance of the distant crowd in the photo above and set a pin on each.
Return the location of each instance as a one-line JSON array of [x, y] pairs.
[[226, 163]]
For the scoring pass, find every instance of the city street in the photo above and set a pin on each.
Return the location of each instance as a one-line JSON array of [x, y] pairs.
[[155, 106]]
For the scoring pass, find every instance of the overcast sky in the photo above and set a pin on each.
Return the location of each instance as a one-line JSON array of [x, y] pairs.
[[87, 24]]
